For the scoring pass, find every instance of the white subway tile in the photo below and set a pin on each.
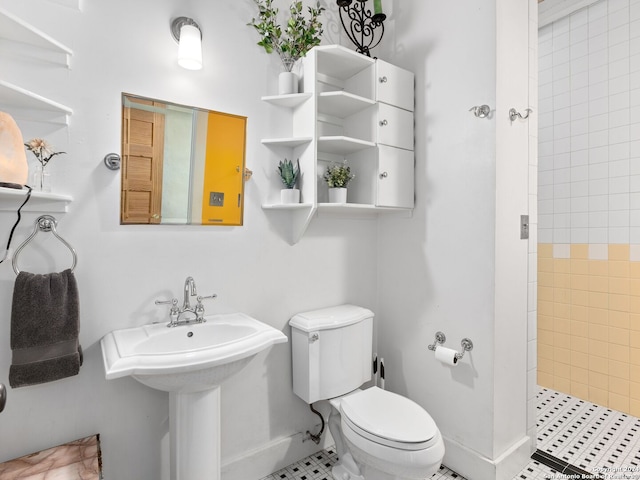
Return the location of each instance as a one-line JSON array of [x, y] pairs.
[[619, 34], [599, 105], [619, 168], [634, 149], [580, 126], [619, 85], [619, 185], [619, 218], [634, 43], [634, 183], [561, 56], [634, 28], [579, 235], [615, 5], [619, 118], [634, 97], [562, 130], [599, 251], [598, 139], [598, 26], [634, 201], [561, 235], [634, 218], [618, 235], [545, 118], [634, 166], [545, 192], [598, 154], [598, 219], [562, 70], [561, 160], [619, 201], [579, 65], [545, 148], [618, 18], [634, 235], [599, 90], [598, 45], [545, 207], [561, 220], [599, 186], [562, 205], [580, 174], [545, 235], [562, 190], [619, 134], [598, 235], [562, 100], [619, 151], [563, 175], [582, 111], [634, 12], [599, 122], [619, 101], [545, 62], [617, 52], [580, 220], [634, 251], [598, 203], [580, 204], [545, 221], [545, 134], [596, 10], [562, 115], [579, 188], [545, 91], [634, 61], [580, 142], [563, 145]]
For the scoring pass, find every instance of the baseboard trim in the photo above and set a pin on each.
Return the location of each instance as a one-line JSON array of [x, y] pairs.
[[271, 457], [471, 464]]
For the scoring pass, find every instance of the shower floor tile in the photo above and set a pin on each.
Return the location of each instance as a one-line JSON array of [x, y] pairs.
[[580, 433]]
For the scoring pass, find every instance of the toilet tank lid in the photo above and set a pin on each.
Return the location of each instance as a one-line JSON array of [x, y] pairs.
[[331, 317]]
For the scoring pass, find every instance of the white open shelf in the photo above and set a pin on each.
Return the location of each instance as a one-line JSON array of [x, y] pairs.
[[18, 97], [18, 30], [11, 199], [340, 145], [288, 142], [287, 101], [339, 62], [342, 104]]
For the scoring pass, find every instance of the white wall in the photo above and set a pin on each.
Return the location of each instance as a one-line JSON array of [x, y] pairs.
[[460, 257], [126, 46]]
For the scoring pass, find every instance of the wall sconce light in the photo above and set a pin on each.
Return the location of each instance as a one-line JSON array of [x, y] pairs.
[[187, 33]]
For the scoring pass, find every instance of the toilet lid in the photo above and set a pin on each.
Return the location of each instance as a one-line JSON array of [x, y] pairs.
[[387, 418]]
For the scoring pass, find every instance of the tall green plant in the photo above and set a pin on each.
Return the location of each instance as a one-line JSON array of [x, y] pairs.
[[289, 173], [298, 36]]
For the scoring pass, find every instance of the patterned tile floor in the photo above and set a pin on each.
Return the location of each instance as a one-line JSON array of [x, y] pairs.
[[590, 437]]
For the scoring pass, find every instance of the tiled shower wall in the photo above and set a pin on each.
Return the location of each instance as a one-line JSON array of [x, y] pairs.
[[589, 205]]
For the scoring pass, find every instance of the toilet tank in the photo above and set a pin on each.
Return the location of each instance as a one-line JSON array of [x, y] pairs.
[[331, 351]]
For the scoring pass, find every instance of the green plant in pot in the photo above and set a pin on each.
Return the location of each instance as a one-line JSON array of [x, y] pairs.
[[291, 41], [338, 176], [289, 174]]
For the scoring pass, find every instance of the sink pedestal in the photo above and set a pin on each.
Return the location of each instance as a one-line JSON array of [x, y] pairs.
[[194, 419]]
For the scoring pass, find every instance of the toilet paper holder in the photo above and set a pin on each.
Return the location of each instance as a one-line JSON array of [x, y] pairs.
[[466, 343]]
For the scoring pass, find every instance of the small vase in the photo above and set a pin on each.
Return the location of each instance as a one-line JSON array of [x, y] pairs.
[[42, 179], [287, 83], [289, 195], [337, 195]]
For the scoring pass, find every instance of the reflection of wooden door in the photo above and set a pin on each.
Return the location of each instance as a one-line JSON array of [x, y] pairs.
[[222, 201], [142, 151]]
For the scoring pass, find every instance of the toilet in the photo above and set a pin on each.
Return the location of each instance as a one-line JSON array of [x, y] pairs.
[[379, 435]]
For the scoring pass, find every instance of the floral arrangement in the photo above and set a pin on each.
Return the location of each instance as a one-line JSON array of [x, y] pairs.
[[42, 150], [289, 173], [299, 35], [338, 175]]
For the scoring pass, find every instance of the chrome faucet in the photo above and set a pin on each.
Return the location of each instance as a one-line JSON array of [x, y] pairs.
[[189, 290], [195, 313]]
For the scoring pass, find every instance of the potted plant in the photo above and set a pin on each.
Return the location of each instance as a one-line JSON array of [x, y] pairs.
[[289, 176], [338, 176], [292, 42]]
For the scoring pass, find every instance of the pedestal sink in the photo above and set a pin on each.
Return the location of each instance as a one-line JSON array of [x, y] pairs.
[[189, 362]]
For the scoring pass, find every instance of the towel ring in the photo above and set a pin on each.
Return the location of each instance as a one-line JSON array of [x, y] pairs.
[[45, 223]]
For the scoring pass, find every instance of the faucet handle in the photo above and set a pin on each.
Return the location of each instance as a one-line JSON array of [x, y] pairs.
[[207, 297], [173, 301]]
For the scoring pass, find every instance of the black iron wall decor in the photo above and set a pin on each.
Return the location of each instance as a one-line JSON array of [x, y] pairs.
[[363, 28]]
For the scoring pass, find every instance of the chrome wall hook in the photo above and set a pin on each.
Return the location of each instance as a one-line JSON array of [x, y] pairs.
[[481, 111], [513, 114], [112, 161]]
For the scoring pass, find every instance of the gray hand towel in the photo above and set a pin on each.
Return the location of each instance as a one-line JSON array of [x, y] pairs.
[[45, 323]]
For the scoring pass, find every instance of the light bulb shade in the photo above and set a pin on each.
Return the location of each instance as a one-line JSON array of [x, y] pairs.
[[190, 48]]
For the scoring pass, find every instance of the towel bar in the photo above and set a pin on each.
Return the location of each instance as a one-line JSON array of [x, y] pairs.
[[45, 223]]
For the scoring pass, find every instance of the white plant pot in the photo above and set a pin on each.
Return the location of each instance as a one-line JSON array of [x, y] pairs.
[[287, 83], [289, 195], [337, 195]]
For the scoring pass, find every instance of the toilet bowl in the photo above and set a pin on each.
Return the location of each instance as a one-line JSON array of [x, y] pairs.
[[383, 436]]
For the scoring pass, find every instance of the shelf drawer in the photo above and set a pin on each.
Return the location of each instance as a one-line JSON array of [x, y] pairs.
[[394, 85], [394, 127]]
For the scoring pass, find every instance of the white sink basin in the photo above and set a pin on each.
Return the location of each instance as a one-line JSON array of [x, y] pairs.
[[187, 358]]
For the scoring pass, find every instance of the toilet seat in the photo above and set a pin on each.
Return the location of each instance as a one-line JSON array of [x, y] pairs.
[[388, 419]]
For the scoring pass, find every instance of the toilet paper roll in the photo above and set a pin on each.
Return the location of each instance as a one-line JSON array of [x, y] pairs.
[[446, 355]]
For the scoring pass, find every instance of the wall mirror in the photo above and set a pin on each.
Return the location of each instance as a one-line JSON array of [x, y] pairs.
[[180, 165]]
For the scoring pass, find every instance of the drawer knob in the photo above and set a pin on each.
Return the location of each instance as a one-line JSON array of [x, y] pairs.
[[384, 175], [382, 79], [383, 123]]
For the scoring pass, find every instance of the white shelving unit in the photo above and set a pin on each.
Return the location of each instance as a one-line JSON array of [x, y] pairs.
[[24, 103], [18, 100], [11, 199], [340, 117]]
